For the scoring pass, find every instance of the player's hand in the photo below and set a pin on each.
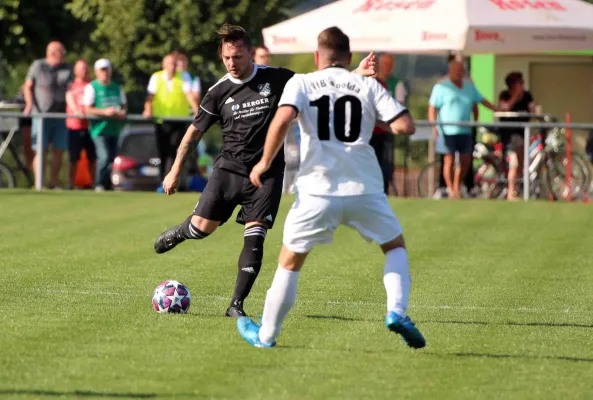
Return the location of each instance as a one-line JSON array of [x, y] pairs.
[[257, 172], [368, 65], [170, 183]]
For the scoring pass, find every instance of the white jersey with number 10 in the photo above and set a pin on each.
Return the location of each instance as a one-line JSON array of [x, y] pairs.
[[337, 113]]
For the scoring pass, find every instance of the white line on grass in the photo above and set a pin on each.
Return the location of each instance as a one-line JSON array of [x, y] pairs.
[[329, 302]]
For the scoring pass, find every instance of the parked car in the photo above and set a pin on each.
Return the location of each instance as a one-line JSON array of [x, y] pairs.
[[136, 166]]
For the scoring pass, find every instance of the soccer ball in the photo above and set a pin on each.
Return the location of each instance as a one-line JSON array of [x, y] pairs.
[[171, 297]]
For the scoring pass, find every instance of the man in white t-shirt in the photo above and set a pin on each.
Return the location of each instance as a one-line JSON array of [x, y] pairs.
[[339, 182]]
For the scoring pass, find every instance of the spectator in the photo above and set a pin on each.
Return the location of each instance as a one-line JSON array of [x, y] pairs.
[[45, 91], [78, 128], [262, 55], [514, 98], [382, 143], [454, 100], [169, 95], [395, 87], [196, 85], [104, 98]]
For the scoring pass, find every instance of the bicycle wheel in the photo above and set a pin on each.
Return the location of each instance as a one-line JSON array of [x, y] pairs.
[[490, 181], [428, 180], [556, 176], [6, 177]]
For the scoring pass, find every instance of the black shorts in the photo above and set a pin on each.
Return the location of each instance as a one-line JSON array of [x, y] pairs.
[[79, 140], [226, 190]]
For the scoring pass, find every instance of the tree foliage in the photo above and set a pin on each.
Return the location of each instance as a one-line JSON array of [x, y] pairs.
[[136, 34], [26, 26]]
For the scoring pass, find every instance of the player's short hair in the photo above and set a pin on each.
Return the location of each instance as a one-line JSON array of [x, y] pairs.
[[232, 34], [513, 78], [334, 41]]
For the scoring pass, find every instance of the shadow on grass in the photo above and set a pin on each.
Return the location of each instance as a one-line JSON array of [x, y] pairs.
[[334, 318], [79, 393], [540, 324], [514, 356]]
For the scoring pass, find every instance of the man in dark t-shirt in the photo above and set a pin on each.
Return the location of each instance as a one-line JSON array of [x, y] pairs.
[[382, 143], [243, 102], [515, 98]]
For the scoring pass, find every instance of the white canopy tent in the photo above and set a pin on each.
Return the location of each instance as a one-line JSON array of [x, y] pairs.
[[439, 26]]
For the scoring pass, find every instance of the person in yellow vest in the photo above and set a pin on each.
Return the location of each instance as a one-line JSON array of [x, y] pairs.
[[169, 95]]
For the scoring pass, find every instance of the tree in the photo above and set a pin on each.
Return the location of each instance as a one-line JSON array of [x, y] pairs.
[[26, 26], [136, 34]]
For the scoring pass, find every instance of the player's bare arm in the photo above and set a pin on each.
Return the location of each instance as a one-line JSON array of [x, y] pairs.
[[403, 125], [274, 140], [191, 138]]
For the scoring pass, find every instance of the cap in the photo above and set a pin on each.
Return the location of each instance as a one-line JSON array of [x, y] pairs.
[[102, 63]]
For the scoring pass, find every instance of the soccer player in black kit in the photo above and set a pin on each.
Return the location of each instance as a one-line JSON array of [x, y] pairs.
[[244, 102]]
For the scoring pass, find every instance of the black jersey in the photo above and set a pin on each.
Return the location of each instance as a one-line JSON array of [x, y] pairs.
[[245, 109]]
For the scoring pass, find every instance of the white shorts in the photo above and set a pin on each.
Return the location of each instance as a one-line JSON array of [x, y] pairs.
[[312, 220]]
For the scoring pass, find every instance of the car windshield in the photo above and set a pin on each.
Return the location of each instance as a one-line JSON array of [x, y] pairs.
[[139, 146]]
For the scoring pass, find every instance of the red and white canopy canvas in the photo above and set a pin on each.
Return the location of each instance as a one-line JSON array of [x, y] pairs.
[[435, 26]]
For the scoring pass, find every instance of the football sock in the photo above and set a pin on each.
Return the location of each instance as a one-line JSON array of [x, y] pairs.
[[396, 278], [190, 231], [279, 300], [250, 262]]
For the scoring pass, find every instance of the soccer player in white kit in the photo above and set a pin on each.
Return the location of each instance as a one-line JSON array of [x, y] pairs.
[[339, 182]]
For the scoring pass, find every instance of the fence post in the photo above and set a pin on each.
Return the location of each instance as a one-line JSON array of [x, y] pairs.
[[526, 162], [40, 153]]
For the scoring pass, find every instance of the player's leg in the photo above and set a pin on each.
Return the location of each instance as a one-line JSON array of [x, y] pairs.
[[215, 206], [374, 219], [249, 265], [311, 221], [258, 213]]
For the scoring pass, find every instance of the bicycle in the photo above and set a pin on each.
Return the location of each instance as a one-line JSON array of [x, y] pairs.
[[547, 171], [7, 178]]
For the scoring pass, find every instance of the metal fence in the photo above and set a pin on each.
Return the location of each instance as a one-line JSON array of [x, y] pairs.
[[527, 127]]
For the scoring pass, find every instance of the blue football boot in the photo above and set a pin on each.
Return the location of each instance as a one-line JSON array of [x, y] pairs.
[[249, 330], [406, 328]]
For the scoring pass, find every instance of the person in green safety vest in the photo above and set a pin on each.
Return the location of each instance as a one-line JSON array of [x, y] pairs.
[[105, 98], [169, 95]]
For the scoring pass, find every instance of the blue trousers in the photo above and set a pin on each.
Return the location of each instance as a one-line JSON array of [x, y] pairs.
[[106, 147]]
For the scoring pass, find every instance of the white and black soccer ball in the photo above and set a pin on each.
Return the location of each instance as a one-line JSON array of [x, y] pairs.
[[171, 297]]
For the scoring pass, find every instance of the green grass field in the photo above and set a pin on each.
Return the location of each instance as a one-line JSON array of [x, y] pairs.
[[502, 292]]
